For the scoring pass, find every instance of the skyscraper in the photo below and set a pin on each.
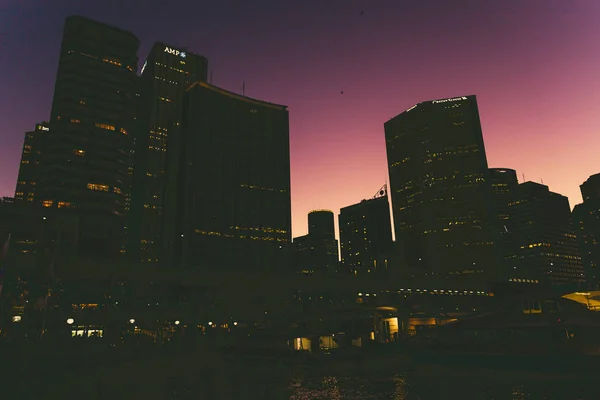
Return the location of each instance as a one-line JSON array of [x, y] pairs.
[[440, 188], [29, 169], [234, 202], [586, 222], [366, 235], [503, 181], [590, 189], [166, 74], [85, 160], [317, 251], [545, 247]]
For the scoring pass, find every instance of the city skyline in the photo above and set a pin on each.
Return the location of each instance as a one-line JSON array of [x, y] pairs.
[[533, 111]]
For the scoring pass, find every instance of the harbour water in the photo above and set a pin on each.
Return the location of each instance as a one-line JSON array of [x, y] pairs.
[[402, 387]]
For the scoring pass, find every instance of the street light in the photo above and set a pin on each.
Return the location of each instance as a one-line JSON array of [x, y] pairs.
[[132, 321], [16, 318], [176, 322], [235, 323], [70, 321], [210, 324]]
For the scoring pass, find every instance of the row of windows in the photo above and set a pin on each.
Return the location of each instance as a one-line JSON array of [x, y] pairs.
[[262, 188]]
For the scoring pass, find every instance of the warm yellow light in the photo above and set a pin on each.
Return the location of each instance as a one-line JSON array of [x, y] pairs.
[[210, 323], [177, 322], [235, 323], [132, 321], [70, 321], [16, 318]]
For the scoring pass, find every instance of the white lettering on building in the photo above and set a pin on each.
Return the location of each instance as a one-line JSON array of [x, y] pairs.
[[446, 100], [175, 52]]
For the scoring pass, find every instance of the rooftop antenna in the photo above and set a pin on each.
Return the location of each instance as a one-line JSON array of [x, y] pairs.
[[244, 88], [542, 179], [210, 77], [523, 178]]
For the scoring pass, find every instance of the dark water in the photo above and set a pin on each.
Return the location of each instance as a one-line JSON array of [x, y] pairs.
[[402, 388]]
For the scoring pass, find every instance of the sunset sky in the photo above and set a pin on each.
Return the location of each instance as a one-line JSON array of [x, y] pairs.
[[533, 64]]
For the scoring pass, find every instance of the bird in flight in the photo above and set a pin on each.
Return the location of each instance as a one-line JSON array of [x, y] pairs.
[[362, 13], [342, 92]]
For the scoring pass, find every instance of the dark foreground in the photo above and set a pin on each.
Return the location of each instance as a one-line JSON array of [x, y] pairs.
[[200, 371]]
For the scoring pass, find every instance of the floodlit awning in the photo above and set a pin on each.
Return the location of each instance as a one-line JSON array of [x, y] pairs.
[[589, 299]]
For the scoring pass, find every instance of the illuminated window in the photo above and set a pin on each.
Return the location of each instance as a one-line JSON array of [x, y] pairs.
[[117, 190], [105, 126], [47, 203], [64, 204], [25, 162], [97, 186], [79, 152], [123, 131], [19, 194], [82, 102], [75, 121]]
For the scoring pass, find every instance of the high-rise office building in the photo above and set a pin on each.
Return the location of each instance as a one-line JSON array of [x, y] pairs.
[[320, 222], [233, 208], [590, 189], [85, 161], [366, 235], [317, 251], [503, 181], [440, 189], [586, 221], [544, 244], [29, 168], [166, 74]]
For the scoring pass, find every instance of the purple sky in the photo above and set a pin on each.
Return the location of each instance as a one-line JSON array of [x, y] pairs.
[[534, 65]]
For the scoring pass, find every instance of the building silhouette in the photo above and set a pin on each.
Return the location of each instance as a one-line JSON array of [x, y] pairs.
[[586, 221], [85, 155], [503, 181], [544, 244], [366, 235], [234, 205], [165, 75], [318, 250], [440, 187], [590, 189], [29, 169]]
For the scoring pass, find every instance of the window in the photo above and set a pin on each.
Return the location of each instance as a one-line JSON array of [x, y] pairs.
[[105, 126], [64, 204], [75, 121], [123, 131], [79, 152], [117, 190], [25, 162], [47, 203], [98, 187]]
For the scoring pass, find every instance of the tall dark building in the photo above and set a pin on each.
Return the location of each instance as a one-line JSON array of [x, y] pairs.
[[586, 221], [85, 161], [590, 189], [320, 222], [503, 181], [366, 235], [233, 208], [165, 76], [29, 168], [317, 251], [441, 192], [545, 247]]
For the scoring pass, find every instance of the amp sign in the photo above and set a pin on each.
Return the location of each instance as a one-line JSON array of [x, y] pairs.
[[175, 52]]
